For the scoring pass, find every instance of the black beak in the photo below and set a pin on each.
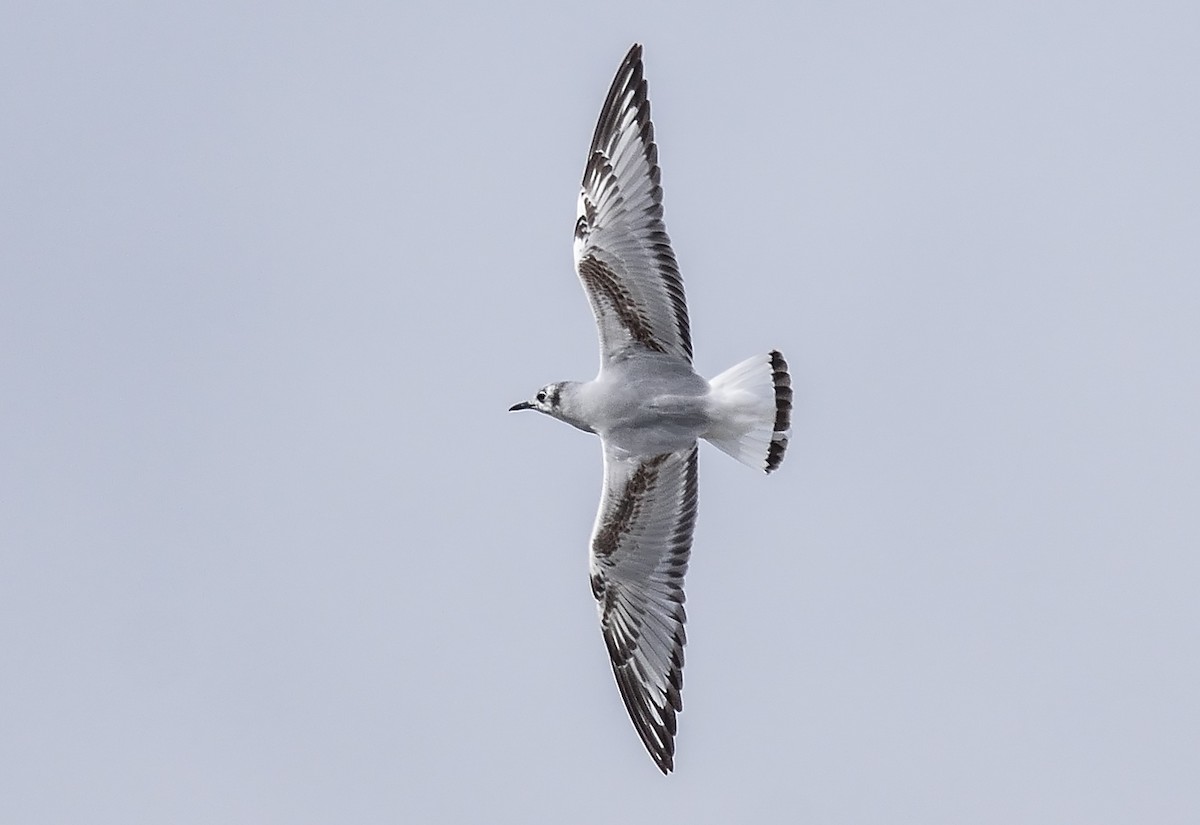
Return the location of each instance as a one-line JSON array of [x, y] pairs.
[[524, 405]]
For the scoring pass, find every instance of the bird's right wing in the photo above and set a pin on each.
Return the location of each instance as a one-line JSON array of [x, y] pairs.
[[639, 555], [622, 253]]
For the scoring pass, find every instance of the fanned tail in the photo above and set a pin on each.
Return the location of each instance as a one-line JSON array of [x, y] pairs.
[[752, 411]]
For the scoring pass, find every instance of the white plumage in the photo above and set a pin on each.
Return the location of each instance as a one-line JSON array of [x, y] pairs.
[[649, 408]]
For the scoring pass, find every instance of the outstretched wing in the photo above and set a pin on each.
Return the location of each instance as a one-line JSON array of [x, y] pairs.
[[640, 548], [622, 253]]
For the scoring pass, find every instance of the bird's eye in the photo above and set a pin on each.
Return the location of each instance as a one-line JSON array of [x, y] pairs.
[[541, 396]]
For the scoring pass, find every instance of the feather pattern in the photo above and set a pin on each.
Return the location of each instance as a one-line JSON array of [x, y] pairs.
[[622, 253], [639, 554]]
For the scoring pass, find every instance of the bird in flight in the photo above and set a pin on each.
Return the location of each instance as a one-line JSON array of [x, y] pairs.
[[649, 408]]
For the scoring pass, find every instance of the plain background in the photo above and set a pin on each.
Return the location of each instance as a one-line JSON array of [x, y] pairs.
[[272, 551]]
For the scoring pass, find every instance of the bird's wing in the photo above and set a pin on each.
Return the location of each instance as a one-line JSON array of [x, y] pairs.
[[622, 253], [640, 548]]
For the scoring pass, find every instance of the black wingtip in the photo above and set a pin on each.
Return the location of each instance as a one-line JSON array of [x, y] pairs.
[[628, 76]]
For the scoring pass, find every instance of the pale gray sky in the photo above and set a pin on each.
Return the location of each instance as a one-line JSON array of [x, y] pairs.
[[272, 551]]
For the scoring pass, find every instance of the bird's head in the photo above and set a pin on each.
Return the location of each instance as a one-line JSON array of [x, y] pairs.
[[547, 400], [561, 400]]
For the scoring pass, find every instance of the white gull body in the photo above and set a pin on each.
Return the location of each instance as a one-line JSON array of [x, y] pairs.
[[650, 408]]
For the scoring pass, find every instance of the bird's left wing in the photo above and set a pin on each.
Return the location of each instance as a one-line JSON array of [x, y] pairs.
[[640, 549], [622, 253]]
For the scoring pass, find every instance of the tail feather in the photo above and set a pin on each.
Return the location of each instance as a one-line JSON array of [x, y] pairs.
[[752, 411]]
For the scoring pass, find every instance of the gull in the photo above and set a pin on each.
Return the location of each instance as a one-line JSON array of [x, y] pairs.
[[650, 408]]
